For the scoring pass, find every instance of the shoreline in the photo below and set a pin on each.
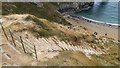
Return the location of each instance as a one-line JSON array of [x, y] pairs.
[[95, 21], [94, 26]]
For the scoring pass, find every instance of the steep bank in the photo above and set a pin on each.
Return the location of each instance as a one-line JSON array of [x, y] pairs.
[[43, 10], [55, 43]]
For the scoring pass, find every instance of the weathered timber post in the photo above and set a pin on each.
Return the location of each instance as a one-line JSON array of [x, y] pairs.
[[4, 31], [22, 44], [35, 53], [12, 38]]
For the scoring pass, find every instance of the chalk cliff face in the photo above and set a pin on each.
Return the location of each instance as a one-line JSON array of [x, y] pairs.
[[74, 6]]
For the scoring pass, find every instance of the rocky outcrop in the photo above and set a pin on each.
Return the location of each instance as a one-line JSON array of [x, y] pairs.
[[74, 6]]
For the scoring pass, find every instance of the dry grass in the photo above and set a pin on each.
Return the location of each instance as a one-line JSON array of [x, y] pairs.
[[45, 28], [71, 59]]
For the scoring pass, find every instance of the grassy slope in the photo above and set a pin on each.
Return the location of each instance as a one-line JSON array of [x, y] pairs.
[[71, 59], [76, 58], [48, 11], [48, 29]]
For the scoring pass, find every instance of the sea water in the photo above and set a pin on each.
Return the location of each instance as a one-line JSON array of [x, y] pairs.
[[106, 12]]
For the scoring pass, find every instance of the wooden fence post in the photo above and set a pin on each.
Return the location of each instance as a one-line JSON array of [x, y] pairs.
[[35, 53], [12, 38], [22, 44], [4, 31]]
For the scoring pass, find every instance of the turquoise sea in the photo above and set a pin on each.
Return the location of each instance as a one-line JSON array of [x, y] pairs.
[[106, 12]]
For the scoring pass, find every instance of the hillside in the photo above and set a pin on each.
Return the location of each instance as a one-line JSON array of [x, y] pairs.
[[43, 10], [53, 41], [39, 29]]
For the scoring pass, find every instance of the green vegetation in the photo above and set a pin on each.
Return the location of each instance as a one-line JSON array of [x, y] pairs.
[[111, 56], [48, 29], [47, 11]]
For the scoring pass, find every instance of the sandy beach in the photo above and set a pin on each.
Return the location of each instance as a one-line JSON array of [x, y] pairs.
[[100, 28]]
